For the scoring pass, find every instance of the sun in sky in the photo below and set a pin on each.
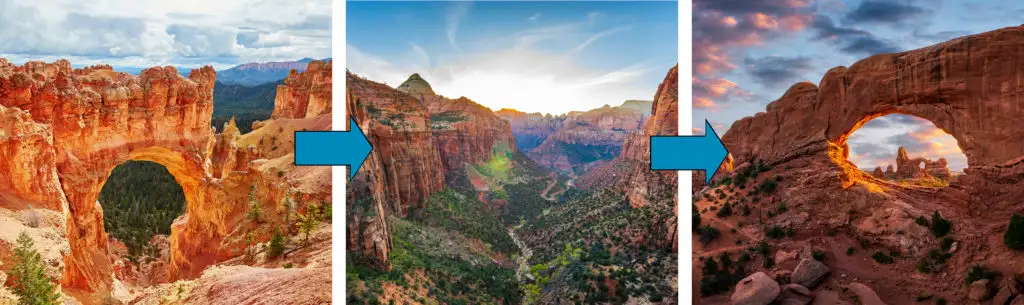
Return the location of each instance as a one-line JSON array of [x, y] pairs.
[[548, 57]]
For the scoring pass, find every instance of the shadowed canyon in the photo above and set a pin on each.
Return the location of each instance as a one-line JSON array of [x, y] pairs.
[[459, 204]]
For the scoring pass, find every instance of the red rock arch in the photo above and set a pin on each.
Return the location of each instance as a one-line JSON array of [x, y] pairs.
[[971, 87], [73, 126]]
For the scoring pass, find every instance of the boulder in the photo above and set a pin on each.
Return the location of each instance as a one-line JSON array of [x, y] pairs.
[[1007, 291], [756, 289], [980, 290], [809, 273], [865, 294], [1019, 300], [793, 294]]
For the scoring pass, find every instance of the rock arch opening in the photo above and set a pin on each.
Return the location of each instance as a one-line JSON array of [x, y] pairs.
[[902, 149], [140, 201]]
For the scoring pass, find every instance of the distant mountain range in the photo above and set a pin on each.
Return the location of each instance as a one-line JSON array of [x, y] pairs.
[[250, 74]]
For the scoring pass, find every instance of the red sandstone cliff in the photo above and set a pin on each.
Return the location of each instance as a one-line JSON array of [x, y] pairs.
[[64, 130], [530, 129], [465, 132], [403, 169], [590, 138], [305, 94], [969, 87]]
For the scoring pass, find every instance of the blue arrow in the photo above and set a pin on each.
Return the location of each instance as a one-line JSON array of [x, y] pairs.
[[323, 148], [703, 152]]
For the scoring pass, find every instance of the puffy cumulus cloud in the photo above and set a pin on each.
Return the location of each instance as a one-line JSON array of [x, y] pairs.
[[707, 91], [724, 27], [182, 33]]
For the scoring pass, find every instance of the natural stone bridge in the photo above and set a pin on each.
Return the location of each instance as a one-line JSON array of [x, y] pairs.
[[971, 87], [66, 130]]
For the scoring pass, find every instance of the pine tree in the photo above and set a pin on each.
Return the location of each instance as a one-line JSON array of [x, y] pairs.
[[276, 246], [255, 211], [31, 284], [309, 221]]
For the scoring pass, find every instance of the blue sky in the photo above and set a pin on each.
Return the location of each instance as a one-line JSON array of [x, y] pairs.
[[549, 57], [185, 33], [746, 54]]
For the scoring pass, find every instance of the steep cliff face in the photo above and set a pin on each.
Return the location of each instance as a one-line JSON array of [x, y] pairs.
[[647, 184], [403, 169], [530, 129], [465, 132], [306, 94], [588, 139]]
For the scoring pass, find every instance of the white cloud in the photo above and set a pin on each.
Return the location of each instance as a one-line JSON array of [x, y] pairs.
[[520, 78], [189, 32], [600, 35], [454, 17]]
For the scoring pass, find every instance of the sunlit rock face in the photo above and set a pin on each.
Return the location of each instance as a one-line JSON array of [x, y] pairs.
[[306, 94], [940, 83], [64, 130], [464, 132], [968, 87]]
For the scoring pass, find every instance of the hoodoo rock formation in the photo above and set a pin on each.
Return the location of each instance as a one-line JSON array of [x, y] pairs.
[[63, 130], [911, 168], [304, 95], [970, 87]]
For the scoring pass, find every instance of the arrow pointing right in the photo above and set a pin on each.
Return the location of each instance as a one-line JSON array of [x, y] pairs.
[[321, 148], [704, 152]]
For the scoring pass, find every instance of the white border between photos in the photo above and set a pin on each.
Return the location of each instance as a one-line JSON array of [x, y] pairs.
[[684, 216], [339, 174]]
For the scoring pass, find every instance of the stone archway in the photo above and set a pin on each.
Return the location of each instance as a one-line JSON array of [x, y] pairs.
[[65, 131], [971, 87]]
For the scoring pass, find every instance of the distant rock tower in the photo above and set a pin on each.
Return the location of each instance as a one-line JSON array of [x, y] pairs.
[[416, 86]]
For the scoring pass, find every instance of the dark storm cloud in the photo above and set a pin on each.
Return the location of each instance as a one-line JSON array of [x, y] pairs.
[[884, 12], [850, 40], [774, 71]]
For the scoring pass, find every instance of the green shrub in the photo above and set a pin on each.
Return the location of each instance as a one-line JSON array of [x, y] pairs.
[[31, 283], [276, 246], [882, 258], [940, 226], [708, 234], [850, 250], [818, 255], [1014, 237], [775, 232], [978, 272]]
